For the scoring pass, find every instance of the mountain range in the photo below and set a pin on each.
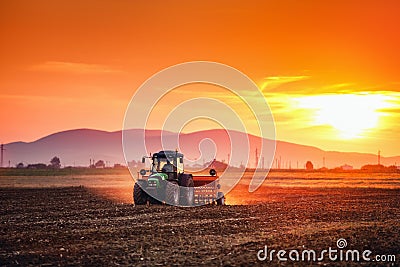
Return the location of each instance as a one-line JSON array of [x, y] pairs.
[[81, 146]]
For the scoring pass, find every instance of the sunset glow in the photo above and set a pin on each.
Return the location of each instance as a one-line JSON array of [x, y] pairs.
[[329, 70], [352, 115]]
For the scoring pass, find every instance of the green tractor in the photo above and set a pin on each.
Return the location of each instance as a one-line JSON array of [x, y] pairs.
[[168, 183]]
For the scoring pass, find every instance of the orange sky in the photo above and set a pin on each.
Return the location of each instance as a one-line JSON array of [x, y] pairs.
[[76, 64]]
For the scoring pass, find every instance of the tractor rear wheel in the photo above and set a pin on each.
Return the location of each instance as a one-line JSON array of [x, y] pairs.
[[139, 195], [187, 189], [172, 193], [153, 200]]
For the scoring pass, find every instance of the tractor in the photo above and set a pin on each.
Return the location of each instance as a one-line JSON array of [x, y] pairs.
[[167, 182]]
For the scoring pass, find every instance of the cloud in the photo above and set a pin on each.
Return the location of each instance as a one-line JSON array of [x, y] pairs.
[[73, 67], [275, 81], [390, 110]]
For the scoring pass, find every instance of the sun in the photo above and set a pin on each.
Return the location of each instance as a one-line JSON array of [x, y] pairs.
[[352, 115]]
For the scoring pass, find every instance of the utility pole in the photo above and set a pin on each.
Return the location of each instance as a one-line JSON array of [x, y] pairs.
[[256, 158], [379, 158], [2, 155]]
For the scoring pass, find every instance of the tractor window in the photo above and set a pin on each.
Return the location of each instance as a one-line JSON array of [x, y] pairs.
[[180, 165], [169, 164], [160, 163]]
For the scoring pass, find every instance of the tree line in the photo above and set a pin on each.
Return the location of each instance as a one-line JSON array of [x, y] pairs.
[[55, 163]]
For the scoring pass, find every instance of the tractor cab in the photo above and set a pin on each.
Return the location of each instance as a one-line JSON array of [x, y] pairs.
[[168, 162]]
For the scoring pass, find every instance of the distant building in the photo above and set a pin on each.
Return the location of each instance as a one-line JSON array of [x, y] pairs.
[[100, 164], [346, 167], [119, 166], [37, 166], [379, 168]]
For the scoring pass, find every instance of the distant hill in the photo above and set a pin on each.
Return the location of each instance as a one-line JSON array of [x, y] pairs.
[[77, 147]]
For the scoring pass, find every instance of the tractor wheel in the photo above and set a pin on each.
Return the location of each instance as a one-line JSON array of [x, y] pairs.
[[172, 193], [139, 195], [187, 190], [220, 199], [155, 201]]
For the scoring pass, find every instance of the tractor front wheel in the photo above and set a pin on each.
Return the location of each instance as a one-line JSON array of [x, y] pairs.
[[139, 195], [172, 193]]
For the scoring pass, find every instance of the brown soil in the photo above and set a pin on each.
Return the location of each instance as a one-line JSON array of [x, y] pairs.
[[76, 226]]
